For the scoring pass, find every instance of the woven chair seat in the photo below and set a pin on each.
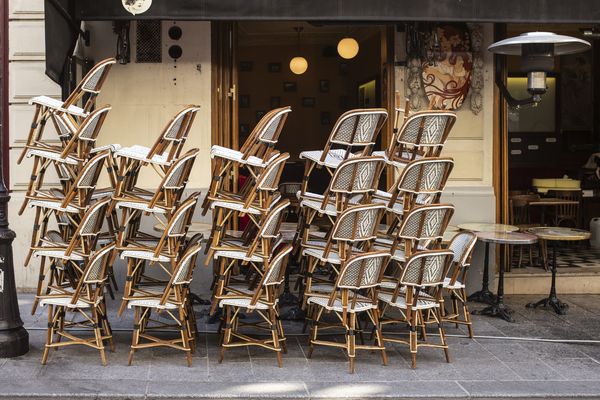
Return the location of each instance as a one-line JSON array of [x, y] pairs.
[[332, 160], [140, 153], [51, 155], [359, 306], [65, 301], [151, 303], [234, 155], [57, 105], [382, 197], [239, 288], [237, 255], [422, 304], [57, 253], [53, 205], [243, 302], [457, 284], [143, 255], [140, 206], [112, 147], [321, 288]]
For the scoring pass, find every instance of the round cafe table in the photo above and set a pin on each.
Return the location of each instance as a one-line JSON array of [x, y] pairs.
[[555, 235], [485, 295], [498, 308]]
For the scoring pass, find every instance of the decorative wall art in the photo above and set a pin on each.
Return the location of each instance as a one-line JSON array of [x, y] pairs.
[[289, 86], [324, 86], [246, 66], [274, 67], [308, 102], [477, 73], [448, 66]]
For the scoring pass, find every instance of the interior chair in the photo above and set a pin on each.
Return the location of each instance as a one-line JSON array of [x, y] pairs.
[[80, 307], [418, 289], [261, 301], [355, 291]]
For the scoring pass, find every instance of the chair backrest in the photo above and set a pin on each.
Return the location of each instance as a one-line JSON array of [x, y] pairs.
[[269, 227], [95, 271], [358, 127], [427, 128], [268, 180], [363, 271], [92, 220], [182, 217], [178, 173], [358, 223], [426, 222], [426, 268], [88, 176], [275, 273], [91, 84], [271, 124], [175, 133], [462, 245], [519, 207], [567, 212], [185, 266], [357, 175], [85, 137]]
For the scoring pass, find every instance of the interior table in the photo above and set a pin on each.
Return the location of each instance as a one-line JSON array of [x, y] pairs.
[[555, 235], [552, 202], [498, 308], [485, 295]]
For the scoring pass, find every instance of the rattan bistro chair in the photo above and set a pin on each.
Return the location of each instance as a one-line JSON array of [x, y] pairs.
[[355, 129], [462, 245], [423, 134], [85, 302], [172, 303], [355, 291], [424, 271], [66, 115], [263, 301]]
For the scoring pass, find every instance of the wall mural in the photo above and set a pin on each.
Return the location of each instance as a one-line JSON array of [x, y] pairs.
[[444, 66]]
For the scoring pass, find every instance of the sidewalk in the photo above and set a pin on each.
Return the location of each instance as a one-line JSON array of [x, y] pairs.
[[480, 368]]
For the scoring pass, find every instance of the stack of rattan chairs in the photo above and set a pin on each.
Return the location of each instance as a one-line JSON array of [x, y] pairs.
[[249, 261], [379, 252], [73, 235]]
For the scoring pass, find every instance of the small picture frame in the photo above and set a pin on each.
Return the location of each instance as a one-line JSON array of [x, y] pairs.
[[343, 68], [289, 87], [274, 67], [246, 66], [244, 101], [244, 129], [275, 102], [308, 102], [324, 85], [260, 114], [325, 118]]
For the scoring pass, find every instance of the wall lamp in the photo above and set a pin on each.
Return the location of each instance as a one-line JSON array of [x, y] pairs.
[[537, 51]]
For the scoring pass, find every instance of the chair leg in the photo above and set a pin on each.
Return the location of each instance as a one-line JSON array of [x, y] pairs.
[[466, 312], [413, 338], [275, 336], [314, 332], [98, 335], [226, 332], [49, 334], [351, 341], [185, 338], [379, 336], [442, 334], [135, 337], [40, 284]]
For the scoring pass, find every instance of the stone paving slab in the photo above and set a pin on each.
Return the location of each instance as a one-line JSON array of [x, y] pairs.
[[481, 368]]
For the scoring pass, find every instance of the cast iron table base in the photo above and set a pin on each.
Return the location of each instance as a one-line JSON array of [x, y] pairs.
[[552, 300], [484, 295]]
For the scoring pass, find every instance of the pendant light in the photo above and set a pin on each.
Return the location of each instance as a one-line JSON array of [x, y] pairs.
[[298, 64], [347, 47]]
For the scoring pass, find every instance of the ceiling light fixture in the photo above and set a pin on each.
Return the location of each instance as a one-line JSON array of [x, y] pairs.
[[298, 64]]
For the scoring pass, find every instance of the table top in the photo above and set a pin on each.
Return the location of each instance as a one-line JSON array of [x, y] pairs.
[[507, 237], [487, 227], [559, 233]]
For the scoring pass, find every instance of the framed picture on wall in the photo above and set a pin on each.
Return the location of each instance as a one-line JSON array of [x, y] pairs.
[[343, 69], [289, 86], [244, 101], [308, 102], [246, 66], [324, 85], [275, 101], [260, 114], [274, 67], [325, 117]]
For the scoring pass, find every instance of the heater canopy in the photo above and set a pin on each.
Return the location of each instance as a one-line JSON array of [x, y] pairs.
[[561, 44]]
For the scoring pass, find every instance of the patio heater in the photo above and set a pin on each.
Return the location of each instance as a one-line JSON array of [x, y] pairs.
[[537, 51]]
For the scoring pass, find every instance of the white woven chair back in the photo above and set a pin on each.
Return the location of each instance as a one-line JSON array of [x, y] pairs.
[[427, 128], [357, 175], [363, 271], [358, 127], [185, 267], [178, 128], [276, 270], [95, 272], [92, 220], [462, 245], [177, 175], [270, 226], [90, 127], [358, 223], [182, 217], [426, 268], [88, 177], [426, 222], [425, 176], [271, 125], [269, 178], [92, 81]]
